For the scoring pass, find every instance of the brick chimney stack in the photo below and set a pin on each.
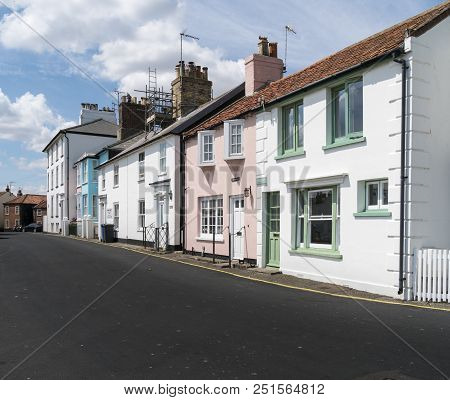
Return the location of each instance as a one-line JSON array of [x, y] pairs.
[[131, 117], [262, 68], [190, 88]]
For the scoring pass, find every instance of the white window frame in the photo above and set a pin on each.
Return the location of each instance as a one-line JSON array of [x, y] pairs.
[[7, 223], [201, 154], [228, 138], [6, 210], [116, 216], [38, 212], [84, 204], [319, 218], [78, 206], [94, 206], [217, 215], [163, 157], [380, 205], [78, 175], [62, 173], [51, 181], [85, 171], [103, 179], [141, 165], [51, 207], [16, 210], [116, 175], [141, 214], [57, 176]]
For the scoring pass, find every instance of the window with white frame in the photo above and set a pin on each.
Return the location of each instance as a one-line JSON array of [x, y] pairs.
[[85, 171], [62, 148], [316, 219], [51, 155], [78, 206], [103, 179], [56, 207], [51, 181], [94, 206], [206, 147], [211, 210], [57, 176], [51, 206], [6, 210], [7, 223], [377, 196], [17, 210], [235, 139], [39, 212], [116, 175], [78, 174], [95, 171], [85, 204], [62, 173], [141, 171], [162, 157], [116, 215], [141, 214], [57, 150]]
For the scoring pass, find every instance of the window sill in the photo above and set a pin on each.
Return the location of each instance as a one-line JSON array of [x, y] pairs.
[[207, 164], [140, 180], [296, 153], [346, 142], [325, 253], [373, 214], [162, 174], [235, 158], [115, 186], [219, 239]]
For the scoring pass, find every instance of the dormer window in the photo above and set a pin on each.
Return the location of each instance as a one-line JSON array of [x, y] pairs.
[[233, 136]]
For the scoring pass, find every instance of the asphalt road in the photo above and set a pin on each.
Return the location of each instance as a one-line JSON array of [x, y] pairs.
[[166, 320]]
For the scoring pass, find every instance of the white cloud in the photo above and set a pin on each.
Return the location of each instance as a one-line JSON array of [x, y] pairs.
[[25, 164], [29, 120], [119, 40]]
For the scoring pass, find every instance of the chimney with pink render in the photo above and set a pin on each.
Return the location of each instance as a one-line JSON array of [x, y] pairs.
[[262, 68]]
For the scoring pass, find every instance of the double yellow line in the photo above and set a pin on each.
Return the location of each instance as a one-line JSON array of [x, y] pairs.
[[303, 289]]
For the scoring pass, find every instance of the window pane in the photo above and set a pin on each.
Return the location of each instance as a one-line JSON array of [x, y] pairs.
[[300, 125], [339, 113], [385, 193], [300, 230], [372, 193], [355, 113], [320, 203], [289, 129], [321, 232]]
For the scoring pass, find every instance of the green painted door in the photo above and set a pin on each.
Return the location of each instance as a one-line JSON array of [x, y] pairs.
[[273, 229]]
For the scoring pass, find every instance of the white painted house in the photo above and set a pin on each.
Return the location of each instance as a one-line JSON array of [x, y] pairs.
[[62, 152], [329, 161], [352, 159]]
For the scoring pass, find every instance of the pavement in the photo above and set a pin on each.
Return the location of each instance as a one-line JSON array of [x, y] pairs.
[[78, 310]]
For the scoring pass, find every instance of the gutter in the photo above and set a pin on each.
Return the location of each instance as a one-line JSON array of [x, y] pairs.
[[403, 177]]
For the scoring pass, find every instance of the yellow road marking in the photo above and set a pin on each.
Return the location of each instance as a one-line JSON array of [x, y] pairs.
[[303, 289]]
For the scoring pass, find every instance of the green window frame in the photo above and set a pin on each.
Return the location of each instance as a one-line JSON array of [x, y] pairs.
[[347, 111], [373, 199], [292, 132], [309, 217]]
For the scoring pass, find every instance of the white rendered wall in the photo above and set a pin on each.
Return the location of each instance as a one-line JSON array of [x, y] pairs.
[[130, 189], [367, 245], [72, 149]]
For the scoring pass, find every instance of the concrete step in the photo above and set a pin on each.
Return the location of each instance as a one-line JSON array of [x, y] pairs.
[[267, 271]]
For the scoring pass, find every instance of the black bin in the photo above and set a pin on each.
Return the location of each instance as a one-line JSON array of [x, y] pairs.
[[109, 233]]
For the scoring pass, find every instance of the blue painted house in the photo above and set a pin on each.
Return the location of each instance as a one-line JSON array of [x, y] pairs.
[[87, 186]]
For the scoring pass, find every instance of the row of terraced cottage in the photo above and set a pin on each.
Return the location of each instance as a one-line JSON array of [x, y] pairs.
[[336, 173]]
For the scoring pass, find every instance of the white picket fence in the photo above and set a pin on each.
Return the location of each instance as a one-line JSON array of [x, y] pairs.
[[431, 275]]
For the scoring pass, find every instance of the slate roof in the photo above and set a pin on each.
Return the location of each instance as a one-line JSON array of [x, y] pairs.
[[97, 127], [373, 48], [28, 199]]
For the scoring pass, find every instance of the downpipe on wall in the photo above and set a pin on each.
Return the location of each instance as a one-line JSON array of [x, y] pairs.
[[403, 177]]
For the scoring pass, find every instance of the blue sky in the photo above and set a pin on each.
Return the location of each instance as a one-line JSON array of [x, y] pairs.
[[115, 42]]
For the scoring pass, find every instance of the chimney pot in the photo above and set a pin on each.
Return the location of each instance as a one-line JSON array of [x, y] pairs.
[[273, 49]]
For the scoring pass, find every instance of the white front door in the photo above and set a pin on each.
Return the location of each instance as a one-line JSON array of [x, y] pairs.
[[237, 224], [162, 213]]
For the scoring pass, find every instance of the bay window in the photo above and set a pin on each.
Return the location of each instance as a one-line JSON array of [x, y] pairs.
[[316, 221]]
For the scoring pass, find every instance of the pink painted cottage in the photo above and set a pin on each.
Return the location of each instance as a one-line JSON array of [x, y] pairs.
[[220, 170]]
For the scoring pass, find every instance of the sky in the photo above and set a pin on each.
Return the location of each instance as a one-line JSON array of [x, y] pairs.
[[55, 55]]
